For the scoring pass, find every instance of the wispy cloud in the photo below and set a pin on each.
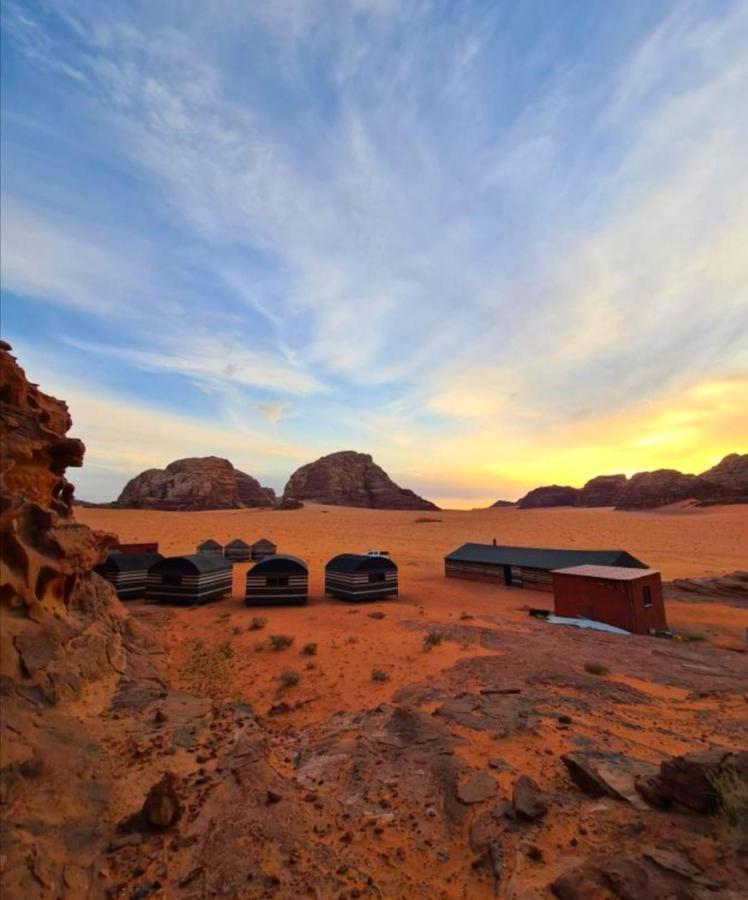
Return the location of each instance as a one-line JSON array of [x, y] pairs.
[[425, 224]]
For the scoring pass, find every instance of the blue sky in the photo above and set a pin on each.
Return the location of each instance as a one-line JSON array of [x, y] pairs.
[[494, 244]]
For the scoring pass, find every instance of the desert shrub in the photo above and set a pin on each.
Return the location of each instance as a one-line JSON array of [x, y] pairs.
[[732, 802], [379, 675], [465, 616], [377, 614], [431, 639], [257, 623], [288, 678], [258, 645], [280, 641], [690, 636], [596, 668], [309, 649]]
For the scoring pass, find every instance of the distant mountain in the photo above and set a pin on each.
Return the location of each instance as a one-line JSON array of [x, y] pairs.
[[726, 482], [500, 503], [348, 478], [193, 484]]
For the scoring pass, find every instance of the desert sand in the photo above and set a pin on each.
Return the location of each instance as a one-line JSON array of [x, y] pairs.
[[660, 697]]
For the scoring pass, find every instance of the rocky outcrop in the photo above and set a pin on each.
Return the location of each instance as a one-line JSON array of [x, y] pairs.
[[604, 490], [727, 482], [193, 484], [730, 473], [647, 490], [691, 782], [63, 630], [552, 495], [348, 478], [501, 503]]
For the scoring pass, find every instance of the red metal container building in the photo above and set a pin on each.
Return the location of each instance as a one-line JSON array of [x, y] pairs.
[[626, 598]]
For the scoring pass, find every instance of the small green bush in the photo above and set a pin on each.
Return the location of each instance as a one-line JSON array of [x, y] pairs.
[[309, 649], [379, 675], [596, 668], [432, 639], [280, 641], [257, 623], [288, 678]]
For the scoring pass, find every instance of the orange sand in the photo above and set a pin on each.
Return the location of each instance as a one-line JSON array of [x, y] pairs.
[[351, 644]]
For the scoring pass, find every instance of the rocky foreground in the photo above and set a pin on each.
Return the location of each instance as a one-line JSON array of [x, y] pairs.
[[134, 767]]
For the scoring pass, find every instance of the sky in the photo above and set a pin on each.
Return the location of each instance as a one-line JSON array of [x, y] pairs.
[[494, 244]]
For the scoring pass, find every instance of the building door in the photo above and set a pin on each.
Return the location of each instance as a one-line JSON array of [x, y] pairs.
[[508, 576]]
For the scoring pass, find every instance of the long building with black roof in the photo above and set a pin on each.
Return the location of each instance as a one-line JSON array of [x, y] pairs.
[[528, 567]]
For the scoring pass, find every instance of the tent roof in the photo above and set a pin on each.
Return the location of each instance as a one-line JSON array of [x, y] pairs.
[[195, 562], [237, 542], [359, 562], [540, 557], [129, 562], [279, 562]]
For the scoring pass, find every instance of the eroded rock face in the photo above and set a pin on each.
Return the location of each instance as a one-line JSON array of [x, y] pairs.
[[604, 490], [63, 630], [552, 495], [348, 478], [730, 473], [193, 484], [647, 490]]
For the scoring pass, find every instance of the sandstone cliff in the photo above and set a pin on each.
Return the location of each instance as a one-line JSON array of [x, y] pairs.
[[63, 632], [552, 495], [648, 490], [348, 478], [194, 484], [730, 473], [727, 482], [605, 490]]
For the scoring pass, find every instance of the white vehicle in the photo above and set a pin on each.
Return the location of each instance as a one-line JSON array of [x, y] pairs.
[[378, 553]]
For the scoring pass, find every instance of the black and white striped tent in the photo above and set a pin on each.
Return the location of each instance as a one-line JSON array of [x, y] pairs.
[[278, 581], [237, 550], [263, 548], [352, 576], [209, 546], [189, 579], [127, 572]]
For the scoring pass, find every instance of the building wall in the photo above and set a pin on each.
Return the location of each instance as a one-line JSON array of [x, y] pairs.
[[533, 579], [619, 603]]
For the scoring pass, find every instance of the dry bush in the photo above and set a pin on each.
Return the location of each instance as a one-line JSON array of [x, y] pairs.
[[379, 675], [464, 616], [431, 639], [690, 636], [596, 668], [288, 678], [309, 649], [257, 623], [732, 800], [280, 641]]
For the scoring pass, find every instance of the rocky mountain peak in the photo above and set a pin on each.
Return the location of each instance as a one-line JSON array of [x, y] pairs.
[[348, 478]]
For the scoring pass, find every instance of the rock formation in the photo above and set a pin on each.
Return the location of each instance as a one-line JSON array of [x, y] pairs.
[[727, 482], [63, 630], [348, 478], [500, 503], [604, 490], [730, 473], [552, 495], [647, 490], [194, 484]]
